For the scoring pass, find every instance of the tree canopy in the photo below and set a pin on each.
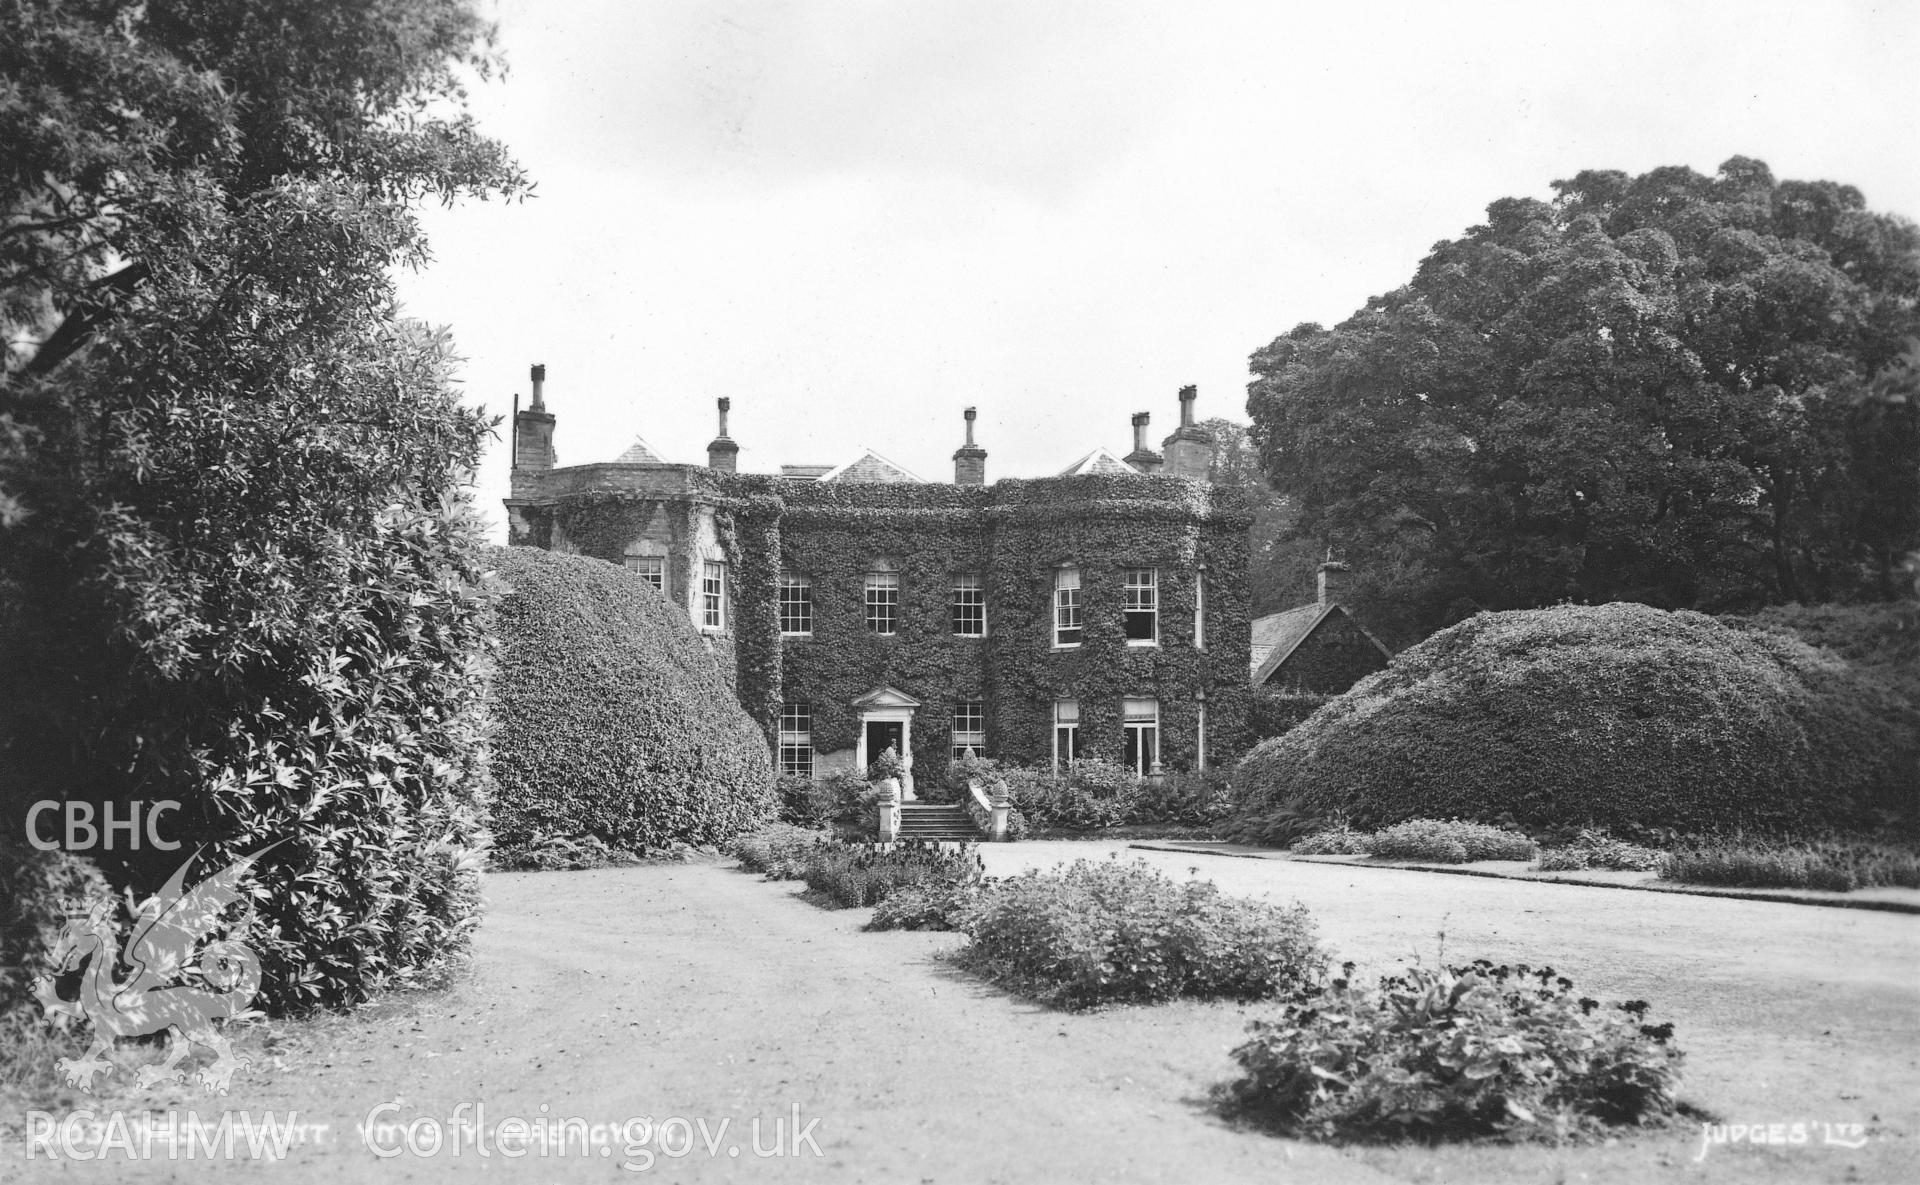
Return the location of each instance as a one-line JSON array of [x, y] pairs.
[[1676, 389], [234, 570]]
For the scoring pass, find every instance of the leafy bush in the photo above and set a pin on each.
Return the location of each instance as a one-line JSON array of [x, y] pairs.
[[1337, 840], [924, 907], [1448, 841], [1089, 795], [1841, 867], [1111, 932], [1611, 715], [1460, 1053], [614, 719], [560, 853], [237, 571], [1182, 799], [36, 890], [778, 850], [803, 801], [1597, 849], [855, 875]]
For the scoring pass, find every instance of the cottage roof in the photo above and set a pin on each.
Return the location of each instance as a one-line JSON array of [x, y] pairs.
[[639, 453], [1097, 461], [1277, 635], [871, 466]]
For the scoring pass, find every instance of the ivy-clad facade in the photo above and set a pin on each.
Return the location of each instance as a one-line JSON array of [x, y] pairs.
[[1100, 613]]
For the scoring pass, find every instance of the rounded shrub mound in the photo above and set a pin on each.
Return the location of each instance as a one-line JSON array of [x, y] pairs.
[[1613, 715], [614, 719]]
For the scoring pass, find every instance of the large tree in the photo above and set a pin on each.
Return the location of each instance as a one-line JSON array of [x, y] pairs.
[[233, 567], [1658, 388]]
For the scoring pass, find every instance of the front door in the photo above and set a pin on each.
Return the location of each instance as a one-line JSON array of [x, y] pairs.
[[882, 734]]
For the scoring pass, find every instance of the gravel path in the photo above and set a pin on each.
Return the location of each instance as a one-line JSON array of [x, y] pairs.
[[700, 992]]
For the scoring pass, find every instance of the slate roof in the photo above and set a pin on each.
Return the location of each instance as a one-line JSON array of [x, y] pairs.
[[871, 466], [1284, 631], [639, 453], [1277, 635], [1097, 461]]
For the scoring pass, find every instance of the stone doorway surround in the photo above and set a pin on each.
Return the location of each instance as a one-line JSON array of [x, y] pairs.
[[887, 704]]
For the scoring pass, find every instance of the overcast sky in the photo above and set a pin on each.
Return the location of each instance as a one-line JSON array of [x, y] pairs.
[[856, 219]]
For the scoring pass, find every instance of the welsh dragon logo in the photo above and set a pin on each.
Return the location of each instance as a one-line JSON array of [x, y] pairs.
[[173, 982]]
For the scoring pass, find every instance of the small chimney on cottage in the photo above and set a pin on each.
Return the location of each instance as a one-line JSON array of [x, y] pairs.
[[1142, 458], [533, 430], [970, 460], [1333, 581], [1190, 449], [723, 455]]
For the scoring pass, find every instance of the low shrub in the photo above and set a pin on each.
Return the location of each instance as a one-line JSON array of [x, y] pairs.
[[851, 800], [1337, 840], [1458, 1053], [560, 853], [1110, 932], [924, 907], [779, 849], [856, 875], [803, 801], [1448, 841], [36, 890], [1841, 867], [1182, 800], [1596, 849]]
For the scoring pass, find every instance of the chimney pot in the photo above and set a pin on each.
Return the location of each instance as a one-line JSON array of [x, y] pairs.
[[722, 453], [1333, 580], [970, 460], [1188, 394], [539, 386]]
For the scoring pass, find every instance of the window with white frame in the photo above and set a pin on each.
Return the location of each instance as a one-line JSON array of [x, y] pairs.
[[796, 739], [969, 727], [1141, 718], [1066, 607], [969, 605], [1141, 607], [713, 595], [883, 602], [796, 603], [652, 569], [1066, 732]]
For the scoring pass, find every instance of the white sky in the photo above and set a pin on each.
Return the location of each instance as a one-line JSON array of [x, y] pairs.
[[856, 219]]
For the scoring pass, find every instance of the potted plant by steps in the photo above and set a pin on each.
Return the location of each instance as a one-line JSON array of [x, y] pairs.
[[887, 773]]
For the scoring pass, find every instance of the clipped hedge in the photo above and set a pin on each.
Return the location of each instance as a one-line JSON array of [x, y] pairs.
[[614, 717], [1615, 715]]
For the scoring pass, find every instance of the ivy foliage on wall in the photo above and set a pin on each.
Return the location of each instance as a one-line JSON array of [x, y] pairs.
[[1014, 534]]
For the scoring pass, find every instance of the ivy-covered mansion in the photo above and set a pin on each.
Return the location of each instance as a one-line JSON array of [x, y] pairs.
[[1102, 612]]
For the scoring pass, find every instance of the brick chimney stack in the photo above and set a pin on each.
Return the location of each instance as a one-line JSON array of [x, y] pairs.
[[1333, 581], [533, 430], [970, 460], [1142, 458], [1190, 449], [723, 454]]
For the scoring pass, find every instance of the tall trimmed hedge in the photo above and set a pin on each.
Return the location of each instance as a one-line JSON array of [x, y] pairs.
[[1619, 714], [614, 718]]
